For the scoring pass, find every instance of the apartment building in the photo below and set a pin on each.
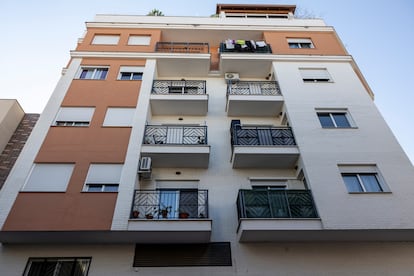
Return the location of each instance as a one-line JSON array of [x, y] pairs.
[[242, 144]]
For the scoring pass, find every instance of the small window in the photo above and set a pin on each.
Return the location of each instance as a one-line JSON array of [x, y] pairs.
[[119, 117], [362, 182], [103, 178], [93, 73], [49, 178], [363, 179], [105, 40], [102, 187], [315, 75], [130, 73], [300, 43], [57, 266], [334, 120], [139, 40], [74, 116]]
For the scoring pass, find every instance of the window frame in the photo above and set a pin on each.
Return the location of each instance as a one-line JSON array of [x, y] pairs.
[[105, 39], [61, 172], [300, 42], [94, 75], [102, 174], [315, 75], [359, 170], [102, 187], [44, 260], [146, 42], [74, 120], [133, 70], [334, 122]]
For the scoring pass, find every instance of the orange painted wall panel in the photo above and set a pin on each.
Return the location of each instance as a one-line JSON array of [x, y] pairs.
[[86, 44], [326, 43], [61, 211]]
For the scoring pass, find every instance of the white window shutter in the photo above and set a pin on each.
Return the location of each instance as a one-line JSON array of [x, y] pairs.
[[131, 69], [315, 73], [105, 40], [104, 174], [299, 40], [139, 40], [119, 117], [49, 178], [75, 114]]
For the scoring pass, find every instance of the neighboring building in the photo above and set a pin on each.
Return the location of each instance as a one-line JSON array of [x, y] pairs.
[[15, 128], [242, 144]]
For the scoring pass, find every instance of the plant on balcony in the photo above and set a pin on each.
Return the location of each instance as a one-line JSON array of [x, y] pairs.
[[164, 211], [183, 215], [135, 214]]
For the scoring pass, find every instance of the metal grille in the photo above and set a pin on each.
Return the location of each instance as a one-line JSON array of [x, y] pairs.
[[182, 47], [191, 87], [167, 255], [276, 204], [266, 88], [183, 135], [264, 136], [184, 203]]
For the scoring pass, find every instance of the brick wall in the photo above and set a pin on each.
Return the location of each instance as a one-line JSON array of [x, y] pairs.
[[15, 145]]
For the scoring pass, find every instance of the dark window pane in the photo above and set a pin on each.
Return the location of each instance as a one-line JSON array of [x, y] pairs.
[[370, 183], [94, 188], [325, 120], [103, 73], [125, 76], [341, 120], [137, 76], [352, 183], [111, 188]]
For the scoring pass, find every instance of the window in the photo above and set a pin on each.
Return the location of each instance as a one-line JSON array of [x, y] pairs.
[[105, 40], [362, 182], [103, 178], [139, 40], [130, 73], [57, 267], [315, 75], [300, 43], [116, 116], [93, 73], [49, 178], [334, 119], [74, 116], [362, 179]]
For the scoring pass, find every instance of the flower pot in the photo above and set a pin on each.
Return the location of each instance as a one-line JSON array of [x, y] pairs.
[[135, 214], [183, 215], [149, 216], [164, 213]]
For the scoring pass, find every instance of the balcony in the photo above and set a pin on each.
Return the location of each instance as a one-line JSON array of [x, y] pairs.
[[263, 147], [254, 98], [176, 59], [172, 146], [171, 216], [179, 97], [273, 215], [251, 59]]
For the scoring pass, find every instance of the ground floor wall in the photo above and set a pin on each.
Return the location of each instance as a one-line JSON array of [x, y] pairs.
[[257, 259]]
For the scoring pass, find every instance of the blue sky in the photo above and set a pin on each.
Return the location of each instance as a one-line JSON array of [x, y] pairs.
[[38, 35]]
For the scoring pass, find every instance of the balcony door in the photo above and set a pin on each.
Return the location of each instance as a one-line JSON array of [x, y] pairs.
[[179, 201]]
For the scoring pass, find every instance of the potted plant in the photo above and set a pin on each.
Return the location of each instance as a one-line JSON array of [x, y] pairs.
[[164, 211], [135, 214], [149, 216], [183, 215]]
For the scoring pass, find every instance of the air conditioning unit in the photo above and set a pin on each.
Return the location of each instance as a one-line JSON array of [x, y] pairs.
[[145, 164], [231, 76], [144, 169]]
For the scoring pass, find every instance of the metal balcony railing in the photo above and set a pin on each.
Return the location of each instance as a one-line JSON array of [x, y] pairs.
[[276, 204], [175, 135], [170, 204], [191, 87], [266, 88], [261, 136], [183, 47]]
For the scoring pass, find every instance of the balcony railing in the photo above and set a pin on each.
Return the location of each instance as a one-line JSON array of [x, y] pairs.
[[266, 88], [170, 204], [191, 87], [175, 135], [182, 47], [245, 46], [261, 136], [276, 204]]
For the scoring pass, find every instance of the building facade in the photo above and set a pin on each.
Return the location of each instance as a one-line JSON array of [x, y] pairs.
[[242, 144]]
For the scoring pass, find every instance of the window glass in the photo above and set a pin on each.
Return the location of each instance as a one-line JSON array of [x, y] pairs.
[[325, 120], [370, 182], [111, 188], [352, 183], [341, 120], [93, 73]]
